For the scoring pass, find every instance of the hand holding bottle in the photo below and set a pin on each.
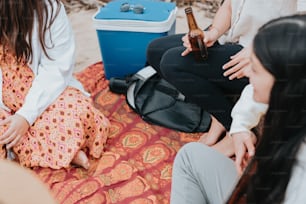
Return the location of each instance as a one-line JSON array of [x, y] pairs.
[[210, 37], [195, 37]]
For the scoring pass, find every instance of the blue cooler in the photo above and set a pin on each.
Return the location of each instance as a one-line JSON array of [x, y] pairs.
[[124, 36]]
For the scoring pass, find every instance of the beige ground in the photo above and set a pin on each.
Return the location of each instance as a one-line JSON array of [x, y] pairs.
[[88, 51]]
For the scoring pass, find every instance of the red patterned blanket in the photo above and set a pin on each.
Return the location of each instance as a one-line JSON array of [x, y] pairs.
[[137, 163]]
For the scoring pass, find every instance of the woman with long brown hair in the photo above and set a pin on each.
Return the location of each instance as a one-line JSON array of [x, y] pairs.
[[47, 118], [276, 173]]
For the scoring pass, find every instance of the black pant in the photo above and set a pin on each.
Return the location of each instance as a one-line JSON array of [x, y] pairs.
[[202, 83]]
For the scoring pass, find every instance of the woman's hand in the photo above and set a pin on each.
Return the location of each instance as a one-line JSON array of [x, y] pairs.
[[186, 44], [17, 128], [237, 65], [244, 144], [210, 37]]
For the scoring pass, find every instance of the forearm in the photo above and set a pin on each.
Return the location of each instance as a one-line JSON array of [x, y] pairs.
[[222, 19]]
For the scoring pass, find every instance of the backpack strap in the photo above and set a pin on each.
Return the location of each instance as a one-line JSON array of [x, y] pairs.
[[142, 75], [145, 73]]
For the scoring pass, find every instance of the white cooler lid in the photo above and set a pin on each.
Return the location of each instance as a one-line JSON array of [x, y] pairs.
[[158, 16]]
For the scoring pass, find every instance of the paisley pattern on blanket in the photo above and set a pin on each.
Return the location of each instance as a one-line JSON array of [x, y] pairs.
[[137, 161]]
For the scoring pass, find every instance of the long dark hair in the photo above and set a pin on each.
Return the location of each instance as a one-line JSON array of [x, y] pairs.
[[280, 46], [17, 22]]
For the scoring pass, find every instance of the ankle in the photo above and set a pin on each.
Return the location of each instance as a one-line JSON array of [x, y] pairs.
[[81, 159]]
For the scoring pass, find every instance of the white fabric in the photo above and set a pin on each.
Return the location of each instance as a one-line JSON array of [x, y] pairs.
[[301, 5], [295, 192], [246, 112], [249, 15], [52, 76]]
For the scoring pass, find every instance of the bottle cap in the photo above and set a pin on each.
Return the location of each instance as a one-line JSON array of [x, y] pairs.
[[188, 10]]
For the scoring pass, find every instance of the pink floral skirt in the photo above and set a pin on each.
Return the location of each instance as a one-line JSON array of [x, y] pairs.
[[70, 124]]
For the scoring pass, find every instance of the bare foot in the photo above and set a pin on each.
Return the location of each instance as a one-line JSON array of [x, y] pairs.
[[81, 159], [225, 146], [214, 133]]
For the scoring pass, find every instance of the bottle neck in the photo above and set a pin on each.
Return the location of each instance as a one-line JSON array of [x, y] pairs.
[[192, 24]]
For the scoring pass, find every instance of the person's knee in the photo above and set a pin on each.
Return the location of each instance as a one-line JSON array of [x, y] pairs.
[[190, 150], [171, 63], [155, 51], [153, 46], [183, 155], [152, 50]]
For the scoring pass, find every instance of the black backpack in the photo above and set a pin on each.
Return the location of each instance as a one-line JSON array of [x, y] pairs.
[[160, 103]]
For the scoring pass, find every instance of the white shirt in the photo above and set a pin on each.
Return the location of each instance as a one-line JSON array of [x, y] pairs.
[[246, 112], [52, 76], [295, 192], [249, 15]]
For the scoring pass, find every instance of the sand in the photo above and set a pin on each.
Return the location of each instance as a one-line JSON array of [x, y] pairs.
[[87, 45]]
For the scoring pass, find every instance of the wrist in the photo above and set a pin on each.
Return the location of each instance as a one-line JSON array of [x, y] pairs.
[[241, 133], [215, 31]]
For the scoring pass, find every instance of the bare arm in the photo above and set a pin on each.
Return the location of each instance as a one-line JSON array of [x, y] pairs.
[[222, 19]]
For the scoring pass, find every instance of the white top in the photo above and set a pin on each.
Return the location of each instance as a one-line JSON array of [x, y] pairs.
[[51, 76], [295, 192], [249, 15], [246, 112]]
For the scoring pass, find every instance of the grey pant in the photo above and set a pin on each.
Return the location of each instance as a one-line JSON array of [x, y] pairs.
[[202, 175]]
